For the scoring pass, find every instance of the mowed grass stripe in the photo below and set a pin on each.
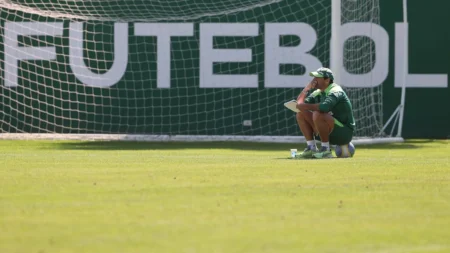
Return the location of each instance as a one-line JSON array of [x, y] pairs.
[[70, 196]]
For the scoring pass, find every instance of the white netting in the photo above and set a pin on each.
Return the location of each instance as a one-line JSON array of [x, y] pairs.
[[359, 58], [92, 66]]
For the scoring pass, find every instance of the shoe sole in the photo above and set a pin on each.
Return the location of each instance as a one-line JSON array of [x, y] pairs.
[[301, 157], [305, 157], [324, 157]]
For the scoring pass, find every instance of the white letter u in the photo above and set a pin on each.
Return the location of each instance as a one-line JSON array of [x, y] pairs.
[[79, 68]]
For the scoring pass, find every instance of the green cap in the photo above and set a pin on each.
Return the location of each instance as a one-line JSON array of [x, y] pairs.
[[323, 72]]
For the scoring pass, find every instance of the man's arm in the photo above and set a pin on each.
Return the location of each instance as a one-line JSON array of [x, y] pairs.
[[326, 106], [301, 98], [308, 107]]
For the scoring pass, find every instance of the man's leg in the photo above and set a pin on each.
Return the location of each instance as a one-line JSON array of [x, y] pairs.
[[324, 123], [306, 124]]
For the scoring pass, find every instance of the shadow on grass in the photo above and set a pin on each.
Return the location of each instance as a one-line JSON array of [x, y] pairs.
[[130, 145], [408, 144]]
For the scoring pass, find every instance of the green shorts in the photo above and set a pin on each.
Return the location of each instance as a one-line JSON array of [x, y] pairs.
[[341, 134]]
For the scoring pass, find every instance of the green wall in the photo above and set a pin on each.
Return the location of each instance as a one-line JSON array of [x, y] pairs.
[[427, 110], [48, 100]]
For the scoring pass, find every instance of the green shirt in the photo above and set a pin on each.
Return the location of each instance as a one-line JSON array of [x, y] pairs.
[[334, 100]]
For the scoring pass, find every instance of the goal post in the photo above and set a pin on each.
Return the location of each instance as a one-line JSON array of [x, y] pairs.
[[181, 71]]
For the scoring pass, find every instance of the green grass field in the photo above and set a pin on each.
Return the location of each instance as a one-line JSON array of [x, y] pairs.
[[222, 197]]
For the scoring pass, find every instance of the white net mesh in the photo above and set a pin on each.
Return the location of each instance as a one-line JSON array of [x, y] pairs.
[[97, 66], [359, 58]]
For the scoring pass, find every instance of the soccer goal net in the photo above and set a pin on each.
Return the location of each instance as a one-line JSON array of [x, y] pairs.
[[175, 70]]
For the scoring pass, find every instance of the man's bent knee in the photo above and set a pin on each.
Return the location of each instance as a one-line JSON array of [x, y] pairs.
[[321, 117], [304, 115], [318, 116]]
